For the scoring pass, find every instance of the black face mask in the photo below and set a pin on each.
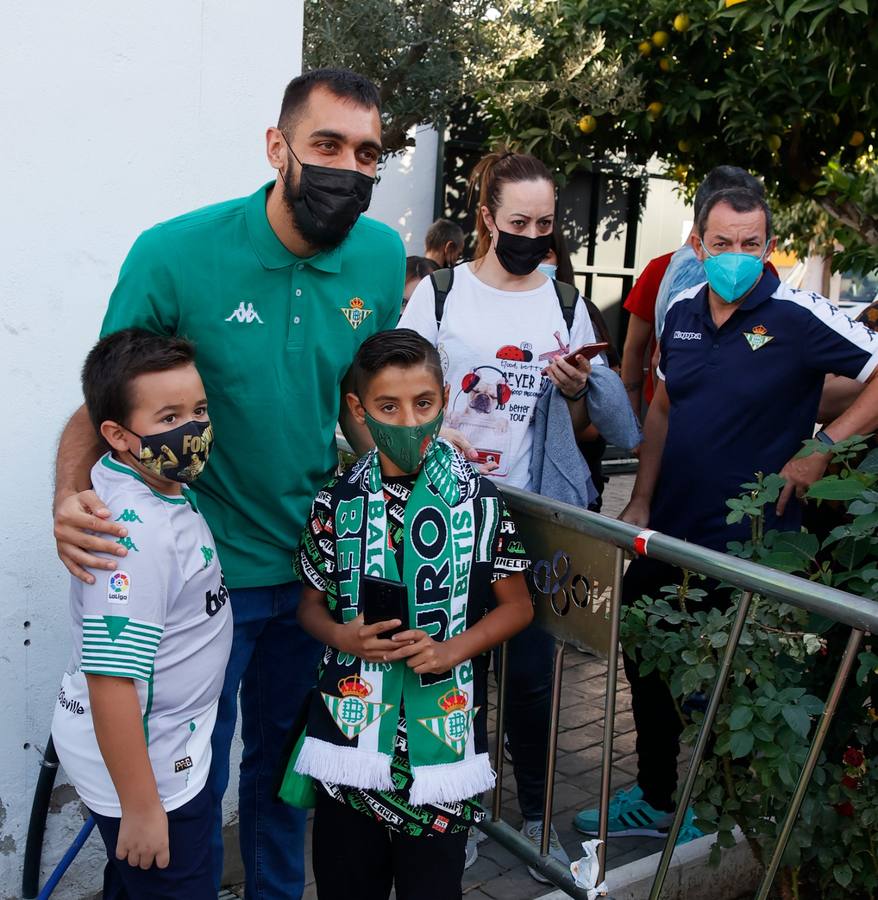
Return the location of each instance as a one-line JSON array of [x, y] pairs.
[[519, 254], [327, 202], [179, 454]]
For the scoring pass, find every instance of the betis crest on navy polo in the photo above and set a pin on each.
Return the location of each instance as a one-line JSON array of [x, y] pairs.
[[743, 397]]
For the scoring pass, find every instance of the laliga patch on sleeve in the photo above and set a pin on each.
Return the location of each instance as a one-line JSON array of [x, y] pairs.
[[118, 587]]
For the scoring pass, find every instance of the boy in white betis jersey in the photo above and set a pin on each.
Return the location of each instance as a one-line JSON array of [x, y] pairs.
[[137, 704]]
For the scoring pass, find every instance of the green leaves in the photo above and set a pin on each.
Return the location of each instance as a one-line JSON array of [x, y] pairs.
[[740, 718], [835, 488]]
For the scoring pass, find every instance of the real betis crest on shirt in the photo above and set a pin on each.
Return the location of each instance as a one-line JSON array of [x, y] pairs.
[[758, 337], [452, 728], [355, 312], [351, 712]]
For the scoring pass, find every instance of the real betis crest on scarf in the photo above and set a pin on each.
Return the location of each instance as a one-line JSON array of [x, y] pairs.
[[353, 745], [351, 712], [453, 727]]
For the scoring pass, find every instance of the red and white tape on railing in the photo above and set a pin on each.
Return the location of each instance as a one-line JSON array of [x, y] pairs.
[[641, 542]]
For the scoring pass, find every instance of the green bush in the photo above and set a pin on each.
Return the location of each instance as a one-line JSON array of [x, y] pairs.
[[783, 668]]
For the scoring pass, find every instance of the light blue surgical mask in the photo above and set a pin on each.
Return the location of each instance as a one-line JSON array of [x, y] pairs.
[[731, 275], [547, 269]]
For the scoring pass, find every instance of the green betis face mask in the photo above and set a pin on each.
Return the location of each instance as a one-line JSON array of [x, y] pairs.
[[404, 445]]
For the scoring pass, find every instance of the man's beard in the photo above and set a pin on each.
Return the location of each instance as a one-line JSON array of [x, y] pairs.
[[290, 195]]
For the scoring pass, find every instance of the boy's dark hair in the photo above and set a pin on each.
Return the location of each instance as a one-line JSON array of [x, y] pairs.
[[721, 178], [117, 359], [441, 232], [398, 347], [342, 83], [419, 267], [741, 200]]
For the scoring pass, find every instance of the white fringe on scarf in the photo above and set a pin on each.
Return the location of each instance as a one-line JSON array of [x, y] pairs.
[[450, 782], [366, 769]]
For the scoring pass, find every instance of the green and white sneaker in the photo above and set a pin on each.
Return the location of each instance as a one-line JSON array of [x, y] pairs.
[[533, 831], [629, 815]]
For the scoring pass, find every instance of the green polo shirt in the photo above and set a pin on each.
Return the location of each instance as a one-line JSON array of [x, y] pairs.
[[275, 335]]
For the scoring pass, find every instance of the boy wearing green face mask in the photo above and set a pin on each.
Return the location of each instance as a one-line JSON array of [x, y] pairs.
[[396, 736]]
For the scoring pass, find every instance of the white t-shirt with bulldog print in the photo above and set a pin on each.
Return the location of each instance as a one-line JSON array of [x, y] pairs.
[[494, 345]]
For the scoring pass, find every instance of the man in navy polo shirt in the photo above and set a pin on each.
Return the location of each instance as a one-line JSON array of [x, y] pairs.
[[743, 360]]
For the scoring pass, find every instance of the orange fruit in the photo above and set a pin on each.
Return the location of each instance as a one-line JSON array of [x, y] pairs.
[[660, 39], [587, 124], [682, 22]]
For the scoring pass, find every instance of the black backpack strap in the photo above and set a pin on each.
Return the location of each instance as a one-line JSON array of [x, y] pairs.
[[567, 295], [442, 280]]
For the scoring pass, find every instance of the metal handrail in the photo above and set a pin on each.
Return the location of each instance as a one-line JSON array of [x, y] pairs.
[[748, 576]]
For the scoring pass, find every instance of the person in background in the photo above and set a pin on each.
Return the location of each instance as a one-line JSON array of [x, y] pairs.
[[743, 361], [416, 268], [640, 343], [443, 243], [501, 325]]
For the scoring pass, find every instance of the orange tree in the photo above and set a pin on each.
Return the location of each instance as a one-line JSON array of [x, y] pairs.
[[781, 87]]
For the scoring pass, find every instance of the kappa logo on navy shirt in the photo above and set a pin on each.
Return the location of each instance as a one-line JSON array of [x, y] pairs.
[[687, 335]]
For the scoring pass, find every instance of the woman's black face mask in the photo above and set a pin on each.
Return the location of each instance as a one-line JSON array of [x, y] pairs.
[[519, 254]]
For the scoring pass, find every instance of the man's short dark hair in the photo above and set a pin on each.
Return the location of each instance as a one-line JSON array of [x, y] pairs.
[[117, 359], [398, 347], [441, 232], [741, 200], [419, 267], [342, 83], [723, 177]]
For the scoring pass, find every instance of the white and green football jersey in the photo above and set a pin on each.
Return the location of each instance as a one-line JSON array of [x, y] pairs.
[[163, 620]]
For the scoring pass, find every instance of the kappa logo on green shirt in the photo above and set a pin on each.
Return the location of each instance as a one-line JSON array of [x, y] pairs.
[[129, 515], [245, 314]]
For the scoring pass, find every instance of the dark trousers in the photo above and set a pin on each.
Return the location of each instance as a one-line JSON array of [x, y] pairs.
[[356, 856], [189, 875], [529, 713], [656, 719]]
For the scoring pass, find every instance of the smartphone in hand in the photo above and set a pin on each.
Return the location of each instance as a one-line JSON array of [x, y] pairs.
[[589, 351], [383, 599]]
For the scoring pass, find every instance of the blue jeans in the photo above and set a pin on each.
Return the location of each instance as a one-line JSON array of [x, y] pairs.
[[274, 662], [529, 714]]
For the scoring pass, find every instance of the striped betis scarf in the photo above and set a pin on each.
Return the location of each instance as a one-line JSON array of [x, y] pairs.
[[349, 739]]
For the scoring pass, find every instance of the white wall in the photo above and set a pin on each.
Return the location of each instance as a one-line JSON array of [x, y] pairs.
[[112, 117], [403, 198]]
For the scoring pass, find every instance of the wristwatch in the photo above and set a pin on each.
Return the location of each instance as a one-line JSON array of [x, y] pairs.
[[824, 438]]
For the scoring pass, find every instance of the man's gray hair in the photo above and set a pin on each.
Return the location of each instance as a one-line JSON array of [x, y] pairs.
[[741, 200]]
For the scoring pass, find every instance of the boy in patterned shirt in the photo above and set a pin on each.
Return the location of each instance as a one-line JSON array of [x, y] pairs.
[[396, 736], [137, 704]]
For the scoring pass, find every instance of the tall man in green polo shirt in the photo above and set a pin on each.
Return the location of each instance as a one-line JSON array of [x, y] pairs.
[[277, 290]]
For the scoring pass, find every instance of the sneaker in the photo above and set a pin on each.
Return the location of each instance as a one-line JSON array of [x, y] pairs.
[[688, 831], [629, 814], [533, 831], [474, 837]]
